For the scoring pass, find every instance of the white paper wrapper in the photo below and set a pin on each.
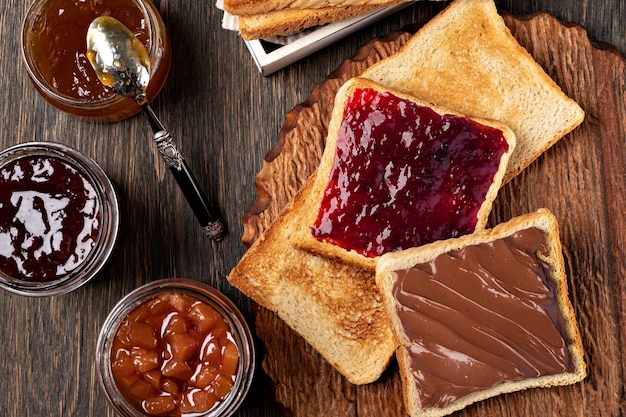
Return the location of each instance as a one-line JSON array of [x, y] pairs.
[[229, 22]]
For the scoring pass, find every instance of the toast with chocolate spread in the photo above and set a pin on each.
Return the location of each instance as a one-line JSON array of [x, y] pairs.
[[466, 59], [398, 172], [481, 315]]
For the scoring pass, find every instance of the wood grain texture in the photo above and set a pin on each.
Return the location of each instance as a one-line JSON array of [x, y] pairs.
[[581, 180], [225, 116]]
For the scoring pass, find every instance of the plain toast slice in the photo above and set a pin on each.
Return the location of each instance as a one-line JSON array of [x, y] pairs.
[[335, 307], [256, 7], [288, 21]]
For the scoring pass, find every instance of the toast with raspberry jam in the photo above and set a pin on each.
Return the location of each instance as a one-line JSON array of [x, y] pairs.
[[398, 172]]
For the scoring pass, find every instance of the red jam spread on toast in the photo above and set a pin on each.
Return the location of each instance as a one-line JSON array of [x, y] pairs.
[[58, 43], [174, 355], [404, 176], [49, 218], [481, 316]]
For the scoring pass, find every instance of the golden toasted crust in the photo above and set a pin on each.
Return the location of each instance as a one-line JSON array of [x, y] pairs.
[[287, 21], [541, 219], [306, 241], [334, 306], [255, 7], [466, 59]]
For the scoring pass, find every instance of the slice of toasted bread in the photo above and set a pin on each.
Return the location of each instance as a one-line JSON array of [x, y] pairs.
[[287, 21], [484, 322], [335, 307], [466, 59], [450, 182], [256, 7]]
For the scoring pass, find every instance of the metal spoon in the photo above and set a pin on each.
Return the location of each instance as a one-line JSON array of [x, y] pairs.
[[122, 63]]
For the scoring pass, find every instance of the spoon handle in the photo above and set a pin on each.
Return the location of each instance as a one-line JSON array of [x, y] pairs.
[[212, 225]]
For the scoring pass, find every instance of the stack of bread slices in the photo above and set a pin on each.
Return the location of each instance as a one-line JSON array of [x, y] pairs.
[[261, 19], [464, 63]]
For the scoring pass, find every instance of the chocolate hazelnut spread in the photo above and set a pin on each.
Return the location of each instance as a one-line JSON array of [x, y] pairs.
[[480, 316]]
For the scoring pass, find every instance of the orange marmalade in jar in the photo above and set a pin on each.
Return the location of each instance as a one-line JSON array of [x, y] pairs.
[[54, 48]]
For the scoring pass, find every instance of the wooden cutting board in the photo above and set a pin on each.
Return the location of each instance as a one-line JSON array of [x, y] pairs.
[[582, 180]]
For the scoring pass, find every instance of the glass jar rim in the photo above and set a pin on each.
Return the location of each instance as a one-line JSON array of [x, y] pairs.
[[33, 69], [224, 306], [109, 227]]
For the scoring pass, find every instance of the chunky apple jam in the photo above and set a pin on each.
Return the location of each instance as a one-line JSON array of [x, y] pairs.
[[174, 355]]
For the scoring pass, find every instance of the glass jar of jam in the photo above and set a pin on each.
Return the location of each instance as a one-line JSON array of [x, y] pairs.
[[54, 48], [175, 347], [59, 218]]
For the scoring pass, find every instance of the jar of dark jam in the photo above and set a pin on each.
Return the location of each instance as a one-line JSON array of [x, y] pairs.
[[59, 219], [54, 48], [175, 347]]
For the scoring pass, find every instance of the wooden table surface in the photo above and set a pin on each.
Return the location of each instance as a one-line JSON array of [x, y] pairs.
[[225, 116]]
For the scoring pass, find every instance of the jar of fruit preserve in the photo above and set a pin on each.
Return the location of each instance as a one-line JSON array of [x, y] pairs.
[[175, 347], [54, 46], [59, 218]]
